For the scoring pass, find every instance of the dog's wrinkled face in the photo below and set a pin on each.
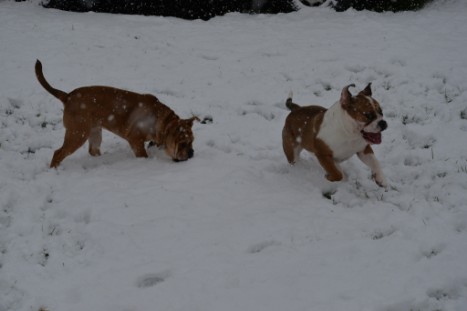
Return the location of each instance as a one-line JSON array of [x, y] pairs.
[[366, 112], [179, 140]]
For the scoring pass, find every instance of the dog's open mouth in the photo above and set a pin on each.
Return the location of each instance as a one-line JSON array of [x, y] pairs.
[[372, 138]]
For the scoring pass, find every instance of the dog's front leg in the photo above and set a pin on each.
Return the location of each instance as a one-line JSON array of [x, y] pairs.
[[137, 146], [367, 156], [331, 168], [95, 140]]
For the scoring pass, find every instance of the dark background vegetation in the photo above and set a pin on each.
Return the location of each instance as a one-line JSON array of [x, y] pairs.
[[206, 9], [380, 5], [187, 9]]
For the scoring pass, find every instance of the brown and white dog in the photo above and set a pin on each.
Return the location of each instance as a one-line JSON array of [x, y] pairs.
[[135, 117], [348, 127]]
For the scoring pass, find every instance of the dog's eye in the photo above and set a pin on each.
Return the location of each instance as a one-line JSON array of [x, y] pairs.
[[370, 116]]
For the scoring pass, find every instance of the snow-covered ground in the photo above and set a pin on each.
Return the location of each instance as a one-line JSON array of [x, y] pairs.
[[235, 228]]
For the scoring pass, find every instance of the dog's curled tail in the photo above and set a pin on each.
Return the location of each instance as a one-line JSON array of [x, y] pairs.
[[289, 104], [40, 77]]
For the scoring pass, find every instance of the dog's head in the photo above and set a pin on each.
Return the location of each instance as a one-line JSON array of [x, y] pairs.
[[366, 112], [179, 139]]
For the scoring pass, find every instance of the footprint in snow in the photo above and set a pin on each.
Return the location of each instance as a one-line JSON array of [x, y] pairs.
[[152, 279], [380, 234], [259, 247]]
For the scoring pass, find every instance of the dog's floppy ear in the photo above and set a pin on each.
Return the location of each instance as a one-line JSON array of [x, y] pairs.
[[346, 96], [367, 90]]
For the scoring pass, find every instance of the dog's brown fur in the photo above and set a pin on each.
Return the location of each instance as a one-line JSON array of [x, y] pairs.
[[135, 117], [305, 125]]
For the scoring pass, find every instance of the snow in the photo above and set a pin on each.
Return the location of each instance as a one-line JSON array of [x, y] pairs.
[[235, 227]]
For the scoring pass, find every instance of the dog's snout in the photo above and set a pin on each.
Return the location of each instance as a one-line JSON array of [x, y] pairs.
[[189, 154], [383, 125]]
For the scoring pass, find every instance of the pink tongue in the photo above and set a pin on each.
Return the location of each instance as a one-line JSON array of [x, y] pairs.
[[372, 138]]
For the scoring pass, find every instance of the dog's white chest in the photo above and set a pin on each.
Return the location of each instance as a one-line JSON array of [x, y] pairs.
[[340, 133]]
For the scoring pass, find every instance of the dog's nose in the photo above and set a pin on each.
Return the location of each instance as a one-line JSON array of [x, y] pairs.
[[383, 125], [191, 152]]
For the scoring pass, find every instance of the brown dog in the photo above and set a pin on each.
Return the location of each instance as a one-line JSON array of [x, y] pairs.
[[348, 127], [135, 117]]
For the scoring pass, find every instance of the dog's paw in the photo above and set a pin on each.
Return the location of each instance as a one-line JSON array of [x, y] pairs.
[[380, 180], [334, 177], [95, 152]]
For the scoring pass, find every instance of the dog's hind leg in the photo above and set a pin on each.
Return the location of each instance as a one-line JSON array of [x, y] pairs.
[[289, 151], [333, 172], [292, 152], [291, 148], [73, 140], [95, 140]]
